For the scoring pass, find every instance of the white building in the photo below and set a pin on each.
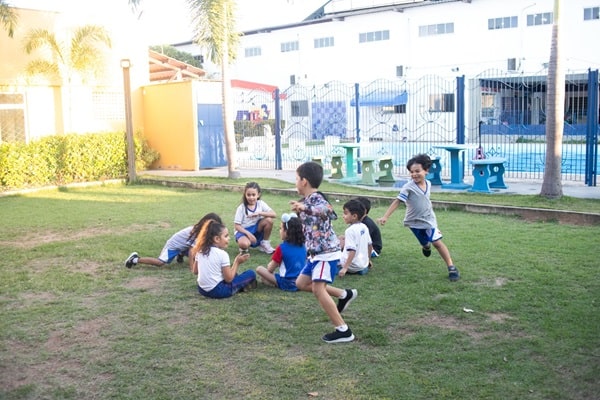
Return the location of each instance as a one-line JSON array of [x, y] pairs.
[[364, 40]]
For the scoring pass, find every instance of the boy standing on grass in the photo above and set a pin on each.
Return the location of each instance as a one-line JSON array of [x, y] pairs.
[[420, 217], [323, 248], [356, 256]]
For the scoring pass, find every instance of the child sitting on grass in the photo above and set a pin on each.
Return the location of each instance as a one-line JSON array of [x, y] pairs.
[[289, 256], [356, 256]]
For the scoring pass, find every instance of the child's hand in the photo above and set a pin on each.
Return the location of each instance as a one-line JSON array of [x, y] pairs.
[[252, 238], [382, 221], [242, 258], [297, 206]]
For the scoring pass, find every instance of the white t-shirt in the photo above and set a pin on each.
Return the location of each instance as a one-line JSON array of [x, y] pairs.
[[210, 268], [248, 217], [357, 238]]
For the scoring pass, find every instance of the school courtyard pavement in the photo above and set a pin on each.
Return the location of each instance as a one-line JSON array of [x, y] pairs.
[[526, 187]]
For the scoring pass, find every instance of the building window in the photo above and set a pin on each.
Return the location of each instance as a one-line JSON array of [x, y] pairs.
[[503, 23], [540, 19], [12, 118], [591, 13], [252, 52], [443, 102], [290, 46], [299, 108], [324, 42], [373, 36], [399, 109], [436, 29]]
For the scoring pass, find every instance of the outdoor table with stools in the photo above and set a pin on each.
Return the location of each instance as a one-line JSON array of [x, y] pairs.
[[351, 166], [373, 177], [457, 171], [488, 173]]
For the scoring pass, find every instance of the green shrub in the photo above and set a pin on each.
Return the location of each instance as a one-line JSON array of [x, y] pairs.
[[61, 159]]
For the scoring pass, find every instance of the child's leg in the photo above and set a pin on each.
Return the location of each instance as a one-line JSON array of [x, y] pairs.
[[444, 252], [304, 283], [266, 275], [327, 303], [242, 280], [266, 227]]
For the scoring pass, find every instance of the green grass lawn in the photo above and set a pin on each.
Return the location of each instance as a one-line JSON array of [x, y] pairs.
[[76, 324]]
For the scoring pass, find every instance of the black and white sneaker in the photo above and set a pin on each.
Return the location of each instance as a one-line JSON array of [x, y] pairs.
[[339, 337], [132, 259], [179, 258], [426, 251], [351, 294]]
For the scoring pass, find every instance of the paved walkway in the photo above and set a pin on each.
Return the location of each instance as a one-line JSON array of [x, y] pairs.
[[530, 187]]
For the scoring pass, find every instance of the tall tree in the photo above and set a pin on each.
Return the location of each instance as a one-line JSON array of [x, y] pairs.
[[9, 18], [555, 102], [214, 29], [63, 61]]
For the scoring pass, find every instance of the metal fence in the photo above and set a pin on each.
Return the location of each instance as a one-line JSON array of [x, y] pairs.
[[502, 113]]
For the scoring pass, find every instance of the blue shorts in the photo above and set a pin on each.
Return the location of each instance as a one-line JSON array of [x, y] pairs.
[[321, 271], [426, 236], [287, 284], [167, 255], [253, 230]]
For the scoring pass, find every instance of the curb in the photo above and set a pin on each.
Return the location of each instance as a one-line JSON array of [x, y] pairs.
[[528, 214]]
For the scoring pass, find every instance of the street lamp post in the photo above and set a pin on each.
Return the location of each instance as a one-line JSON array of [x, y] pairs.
[[131, 176]]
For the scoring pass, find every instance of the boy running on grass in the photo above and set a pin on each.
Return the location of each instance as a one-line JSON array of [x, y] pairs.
[[323, 249], [420, 217]]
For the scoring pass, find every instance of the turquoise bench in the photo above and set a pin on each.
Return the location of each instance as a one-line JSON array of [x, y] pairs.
[[434, 171], [488, 174], [371, 176]]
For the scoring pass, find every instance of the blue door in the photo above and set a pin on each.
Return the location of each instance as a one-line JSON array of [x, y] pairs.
[[211, 136]]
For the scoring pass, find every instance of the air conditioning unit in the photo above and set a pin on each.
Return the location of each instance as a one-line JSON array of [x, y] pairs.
[[511, 64]]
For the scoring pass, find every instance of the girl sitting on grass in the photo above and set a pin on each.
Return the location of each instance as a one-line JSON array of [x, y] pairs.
[[217, 278], [289, 256]]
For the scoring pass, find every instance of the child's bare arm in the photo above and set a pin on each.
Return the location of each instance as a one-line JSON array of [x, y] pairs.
[[395, 204]]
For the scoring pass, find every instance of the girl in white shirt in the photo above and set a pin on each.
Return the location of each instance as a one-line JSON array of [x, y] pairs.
[[217, 277]]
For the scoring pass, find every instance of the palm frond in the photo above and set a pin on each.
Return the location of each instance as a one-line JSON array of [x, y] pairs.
[[8, 17]]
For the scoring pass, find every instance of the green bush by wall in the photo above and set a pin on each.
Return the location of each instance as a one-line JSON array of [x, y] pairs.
[[62, 159]]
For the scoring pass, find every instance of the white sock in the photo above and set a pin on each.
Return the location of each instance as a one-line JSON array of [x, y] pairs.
[[344, 294], [342, 328]]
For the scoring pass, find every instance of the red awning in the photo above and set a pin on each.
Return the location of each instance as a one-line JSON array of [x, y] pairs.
[[263, 87]]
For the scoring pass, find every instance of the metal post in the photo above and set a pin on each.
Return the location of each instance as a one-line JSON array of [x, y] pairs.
[[126, 65]]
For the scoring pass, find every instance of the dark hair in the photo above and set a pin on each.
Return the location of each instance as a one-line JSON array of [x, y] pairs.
[[250, 185], [354, 206], [196, 229], [204, 241], [365, 202], [293, 231], [422, 159], [312, 172]]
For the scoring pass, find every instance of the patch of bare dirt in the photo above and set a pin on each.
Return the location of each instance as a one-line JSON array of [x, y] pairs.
[[144, 282], [33, 239], [57, 369]]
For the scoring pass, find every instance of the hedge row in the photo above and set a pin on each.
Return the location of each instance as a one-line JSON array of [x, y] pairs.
[[62, 159]]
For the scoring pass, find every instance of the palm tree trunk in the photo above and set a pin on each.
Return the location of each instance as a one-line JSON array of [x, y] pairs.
[[555, 101], [230, 146]]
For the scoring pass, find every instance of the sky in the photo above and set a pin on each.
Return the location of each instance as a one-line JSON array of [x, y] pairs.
[[167, 22]]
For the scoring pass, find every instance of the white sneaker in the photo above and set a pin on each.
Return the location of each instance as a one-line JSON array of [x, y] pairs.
[[265, 247]]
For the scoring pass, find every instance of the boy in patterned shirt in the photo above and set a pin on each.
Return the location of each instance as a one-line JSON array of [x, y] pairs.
[[323, 249]]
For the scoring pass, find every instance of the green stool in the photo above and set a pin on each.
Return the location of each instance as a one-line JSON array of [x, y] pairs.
[[336, 167]]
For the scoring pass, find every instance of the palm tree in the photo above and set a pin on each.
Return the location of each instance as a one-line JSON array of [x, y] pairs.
[[81, 57], [9, 18], [555, 100], [214, 22]]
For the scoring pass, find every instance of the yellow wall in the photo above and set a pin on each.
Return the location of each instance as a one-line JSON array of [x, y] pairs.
[[170, 124]]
